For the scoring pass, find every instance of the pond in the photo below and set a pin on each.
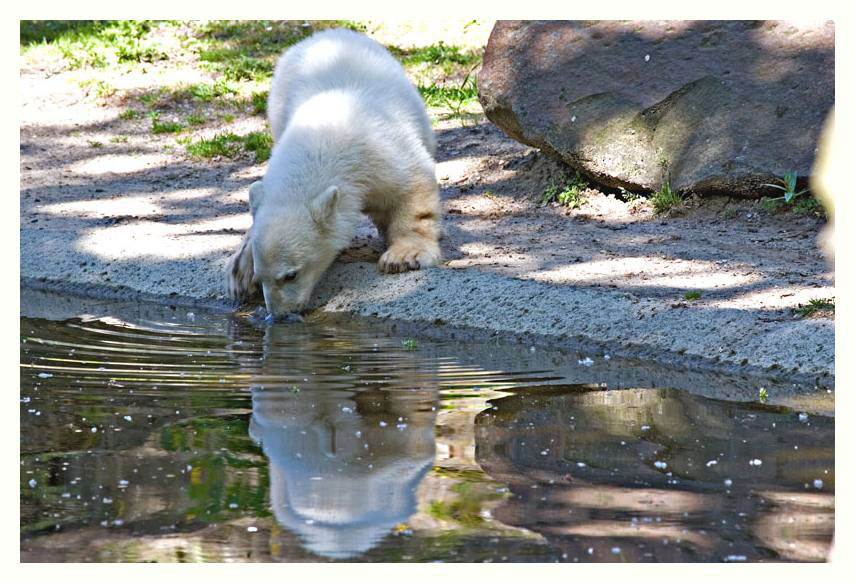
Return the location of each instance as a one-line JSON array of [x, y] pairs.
[[173, 434]]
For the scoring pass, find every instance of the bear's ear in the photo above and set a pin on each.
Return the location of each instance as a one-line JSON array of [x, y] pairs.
[[256, 194], [323, 207]]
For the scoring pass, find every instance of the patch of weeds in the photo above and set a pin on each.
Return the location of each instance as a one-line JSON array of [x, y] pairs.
[[150, 99], [815, 307], [228, 118], [195, 119], [409, 344], [763, 394], [730, 213], [94, 143], [807, 205], [206, 92], [119, 139], [227, 144], [569, 195], [164, 127], [810, 206], [129, 114], [260, 143], [665, 199], [104, 90], [454, 98], [788, 186], [259, 102], [437, 54], [692, 295]]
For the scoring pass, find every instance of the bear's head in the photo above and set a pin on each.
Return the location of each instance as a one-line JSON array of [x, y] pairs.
[[293, 243]]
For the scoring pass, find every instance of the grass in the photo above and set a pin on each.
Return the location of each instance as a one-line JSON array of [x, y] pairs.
[[763, 394], [129, 114], [164, 127], [568, 195], [260, 143], [92, 43], [409, 344], [819, 306], [665, 199], [692, 295], [806, 205], [230, 145]]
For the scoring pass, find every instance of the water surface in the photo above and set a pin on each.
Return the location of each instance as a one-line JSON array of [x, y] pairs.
[[152, 433]]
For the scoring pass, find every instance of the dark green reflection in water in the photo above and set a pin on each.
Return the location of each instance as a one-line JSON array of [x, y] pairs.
[[212, 440]]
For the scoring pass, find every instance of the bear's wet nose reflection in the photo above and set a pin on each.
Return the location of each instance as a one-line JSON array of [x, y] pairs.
[[344, 466]]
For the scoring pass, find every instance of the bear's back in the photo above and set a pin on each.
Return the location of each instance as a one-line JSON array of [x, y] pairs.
[[344, 60]]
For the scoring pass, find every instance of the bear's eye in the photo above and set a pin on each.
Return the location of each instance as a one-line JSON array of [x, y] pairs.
[[290, 276]]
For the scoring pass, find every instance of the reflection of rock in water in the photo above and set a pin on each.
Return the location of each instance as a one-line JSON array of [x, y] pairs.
[[345, 462], [639, 475]]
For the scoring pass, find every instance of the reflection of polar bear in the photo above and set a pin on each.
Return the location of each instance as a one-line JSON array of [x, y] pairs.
[[350, 135], [341, 477]]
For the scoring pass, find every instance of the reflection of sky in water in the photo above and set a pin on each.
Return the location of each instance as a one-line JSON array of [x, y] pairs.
[[340, 479]]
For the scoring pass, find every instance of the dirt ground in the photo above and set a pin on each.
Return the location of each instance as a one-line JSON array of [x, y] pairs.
[[104, 201]]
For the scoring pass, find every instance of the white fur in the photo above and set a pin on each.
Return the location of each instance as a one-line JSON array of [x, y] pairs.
[[351, 135]]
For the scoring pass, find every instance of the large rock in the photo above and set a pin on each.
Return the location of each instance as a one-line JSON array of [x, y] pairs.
[[728, 105]]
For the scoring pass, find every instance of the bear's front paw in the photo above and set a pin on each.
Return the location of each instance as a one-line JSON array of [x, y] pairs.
[[240, 274], [408, 255]]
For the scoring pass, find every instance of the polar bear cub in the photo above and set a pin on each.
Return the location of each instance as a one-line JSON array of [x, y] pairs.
[[350, 135]]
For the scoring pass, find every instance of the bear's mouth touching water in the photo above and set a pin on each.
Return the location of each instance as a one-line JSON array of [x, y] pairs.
[[350, 134]]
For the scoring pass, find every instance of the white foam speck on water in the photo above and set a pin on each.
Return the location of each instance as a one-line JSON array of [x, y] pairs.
[[645, 427], [586, 361], [358, 434], [45, 375], [94, 430], [123, 483], [252, 529], [581, 464], [316, 478], [127, 418], [660, 465], [233, 505], [590, 551], [735, 558], [607, 357], [32, 483], [712, 463], [728, 482], [803, 417], [817, 484], [346, 410], [310, 521], [383, 424], [615, 550], [755, 462], [646, 58]]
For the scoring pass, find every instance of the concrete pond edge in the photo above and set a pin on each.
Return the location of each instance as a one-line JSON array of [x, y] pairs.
[[482, 305]]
